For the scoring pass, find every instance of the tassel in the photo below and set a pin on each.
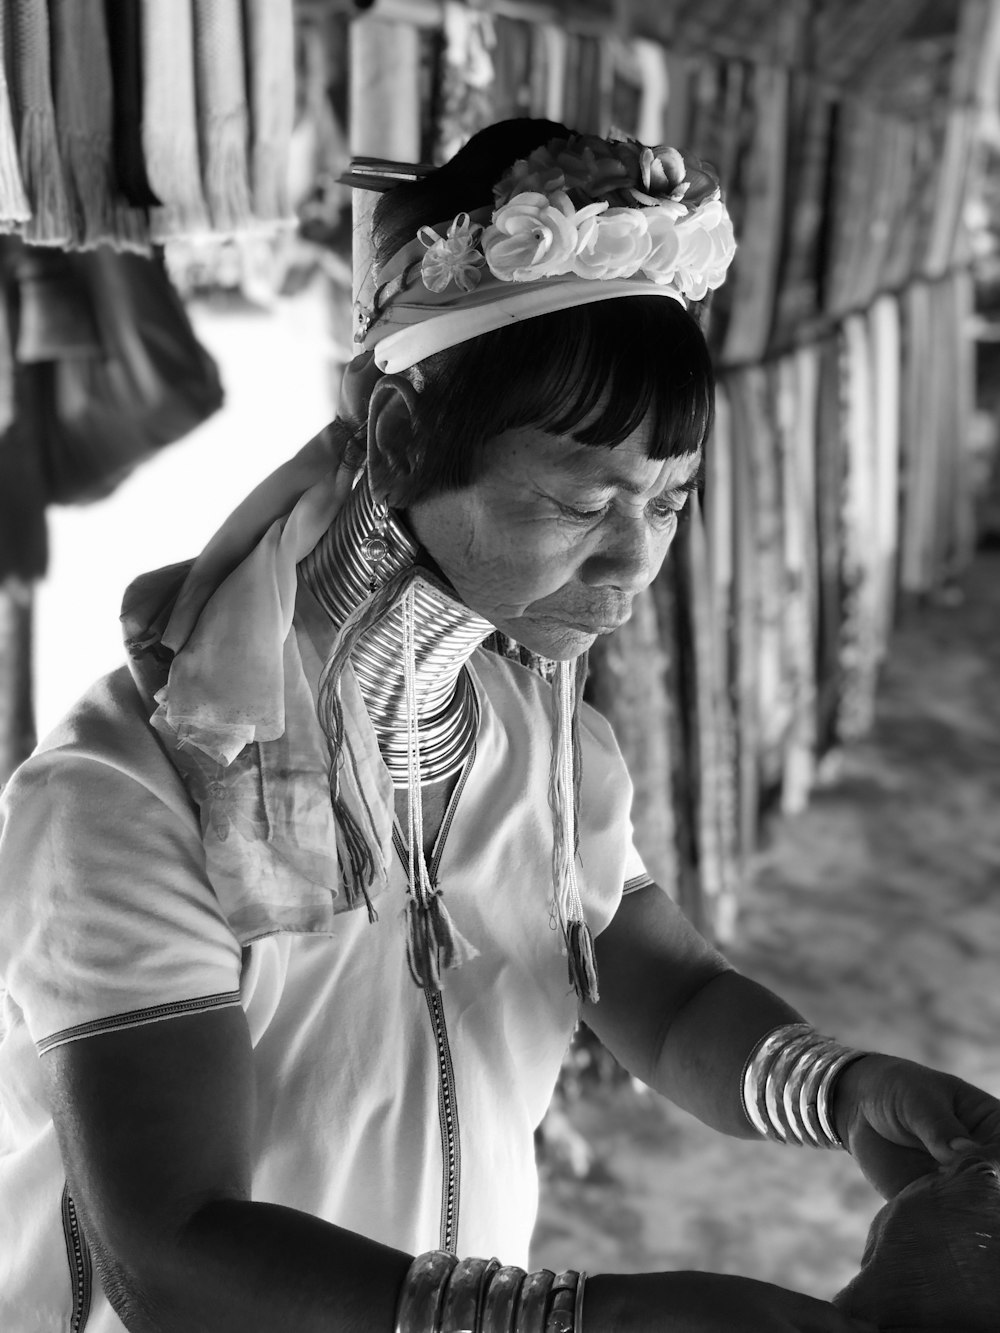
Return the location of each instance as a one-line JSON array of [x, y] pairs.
[[221, 99], [14, 206], [433, 940], [582, 961], [227, 185], [564, 799], [51, 222]]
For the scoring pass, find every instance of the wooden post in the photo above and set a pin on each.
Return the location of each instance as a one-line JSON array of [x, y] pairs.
[[384, 117]]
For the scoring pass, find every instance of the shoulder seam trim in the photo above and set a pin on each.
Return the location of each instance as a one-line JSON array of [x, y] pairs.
[[138, 1018]]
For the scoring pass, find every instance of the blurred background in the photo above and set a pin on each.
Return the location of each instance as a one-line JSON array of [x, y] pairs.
[[806, 696]]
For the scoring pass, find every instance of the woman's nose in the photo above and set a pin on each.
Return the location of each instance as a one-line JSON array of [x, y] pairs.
[[624, 559]]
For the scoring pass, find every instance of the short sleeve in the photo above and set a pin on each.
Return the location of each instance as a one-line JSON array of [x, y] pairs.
[[107, 919]]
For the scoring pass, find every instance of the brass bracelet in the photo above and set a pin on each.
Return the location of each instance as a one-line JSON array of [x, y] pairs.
[[578, 1307], [463, 1297], [560, 1316], [422, 1294], [534, 1299], [502, 1298]]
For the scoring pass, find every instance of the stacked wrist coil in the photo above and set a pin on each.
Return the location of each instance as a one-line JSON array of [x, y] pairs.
[[788, 1085], [443, 1294]]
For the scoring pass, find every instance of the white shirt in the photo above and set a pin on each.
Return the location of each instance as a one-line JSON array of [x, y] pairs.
[[108, 920]]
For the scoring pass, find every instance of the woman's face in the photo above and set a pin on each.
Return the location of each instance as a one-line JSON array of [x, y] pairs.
[[554, 540]]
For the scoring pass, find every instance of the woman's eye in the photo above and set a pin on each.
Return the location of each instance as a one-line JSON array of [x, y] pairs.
[[584, 515], [667, 509]]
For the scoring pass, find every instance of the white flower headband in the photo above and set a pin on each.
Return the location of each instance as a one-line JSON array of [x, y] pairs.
[[580, 220]]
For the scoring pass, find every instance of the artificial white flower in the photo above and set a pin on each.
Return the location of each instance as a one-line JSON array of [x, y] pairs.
[[532, 236], [707, 247], [613, 244], [661, 263]]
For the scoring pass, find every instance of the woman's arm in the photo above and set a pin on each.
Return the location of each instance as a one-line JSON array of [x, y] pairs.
[[156, 1125], [676, 1014]]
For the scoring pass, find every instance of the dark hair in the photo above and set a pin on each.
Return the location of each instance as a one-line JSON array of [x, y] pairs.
[[596, 371]]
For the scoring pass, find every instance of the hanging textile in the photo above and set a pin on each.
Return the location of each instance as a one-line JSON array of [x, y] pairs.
[[50, 221], [670, 598], [553, 38], [113, 109], [720, 666], [628, 684], [511, 68], [654, 90], [466, 76], [125, 48], [170, 119], [799, 298], [14, 206], [886, 353], [82, 89], [109, 364], [270, 38], [794, 383], [223, 114], [745, 622], [717, 870], [625, 93], [761, 182], [829, 486], [860, 646]]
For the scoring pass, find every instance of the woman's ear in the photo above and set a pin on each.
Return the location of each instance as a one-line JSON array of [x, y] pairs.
[[392, 453]]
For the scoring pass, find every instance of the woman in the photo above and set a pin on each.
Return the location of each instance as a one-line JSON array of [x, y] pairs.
[[300, 911]]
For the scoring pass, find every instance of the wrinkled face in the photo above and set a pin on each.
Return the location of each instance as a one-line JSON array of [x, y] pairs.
[[552, 543]]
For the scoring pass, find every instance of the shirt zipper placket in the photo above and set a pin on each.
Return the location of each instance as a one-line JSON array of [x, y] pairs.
[[80, 1265], [451, 1138]]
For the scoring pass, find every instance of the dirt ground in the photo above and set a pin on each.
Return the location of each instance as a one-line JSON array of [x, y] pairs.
[[877, 913]]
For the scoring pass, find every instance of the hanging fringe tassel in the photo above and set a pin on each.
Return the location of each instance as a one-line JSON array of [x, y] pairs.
[[226, 184], [582, 960], [14, 206], [223, 116], [84, 114], [433, 940], [564, 800], [170, 120], [357, 850], [27, 48], [51, 221]]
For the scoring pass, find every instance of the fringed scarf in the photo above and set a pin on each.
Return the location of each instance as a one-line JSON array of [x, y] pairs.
[[51, 220], [170, 119], [270, 39], [223, 114], [82, 87], [14, 206]]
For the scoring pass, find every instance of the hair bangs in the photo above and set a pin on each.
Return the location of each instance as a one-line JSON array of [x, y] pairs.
[[597, 373]]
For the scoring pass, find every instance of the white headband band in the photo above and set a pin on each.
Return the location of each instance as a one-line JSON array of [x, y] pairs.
[[404, 347]]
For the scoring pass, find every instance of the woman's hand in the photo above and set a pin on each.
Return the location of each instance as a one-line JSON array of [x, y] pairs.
[[705, 1303], [900, 1119]]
